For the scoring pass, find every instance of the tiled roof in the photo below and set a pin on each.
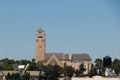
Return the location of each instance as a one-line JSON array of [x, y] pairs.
[[81, 56], [62, 56], [59, 55], [66, 56]]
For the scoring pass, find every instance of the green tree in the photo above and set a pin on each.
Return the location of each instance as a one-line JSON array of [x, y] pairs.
[[6, 67], [99, 66], [15, 76], [26, 76], [52, 72], [33, 60], [93, 71], [6, 64], [77, 73], [81, 69], [116, 66], [32, 66], [8, 77], [69, 71]]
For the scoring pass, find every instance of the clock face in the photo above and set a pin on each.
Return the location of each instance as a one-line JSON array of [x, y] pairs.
[[40, 36]]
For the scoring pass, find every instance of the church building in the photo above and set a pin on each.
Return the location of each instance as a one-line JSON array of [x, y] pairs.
[[60, 59]]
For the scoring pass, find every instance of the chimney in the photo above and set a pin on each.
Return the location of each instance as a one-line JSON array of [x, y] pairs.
[[70, 56]]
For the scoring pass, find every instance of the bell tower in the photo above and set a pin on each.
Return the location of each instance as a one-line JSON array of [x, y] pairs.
[[40, 45]]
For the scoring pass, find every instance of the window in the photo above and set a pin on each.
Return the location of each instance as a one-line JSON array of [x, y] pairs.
[[40, 36], [53, 62]]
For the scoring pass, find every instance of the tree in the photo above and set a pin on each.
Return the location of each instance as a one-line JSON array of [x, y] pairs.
[[6, 67], [8, 77], [6, 64], [52, 72], [116, 66], [77, 73], [15, 76], [93, 71], [26, 76], [32, 66], [81, 69], [33, 60], [69, 71], [99, 65]]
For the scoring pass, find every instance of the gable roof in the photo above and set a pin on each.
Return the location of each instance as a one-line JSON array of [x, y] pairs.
[[83, 56], [55, 58], [62, 56]]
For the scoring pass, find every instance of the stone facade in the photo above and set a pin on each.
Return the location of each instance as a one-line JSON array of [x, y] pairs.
[[40, 45], [69, 59], [74, 60]]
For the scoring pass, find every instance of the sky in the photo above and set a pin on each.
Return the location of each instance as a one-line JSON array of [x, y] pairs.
[[71, 26]]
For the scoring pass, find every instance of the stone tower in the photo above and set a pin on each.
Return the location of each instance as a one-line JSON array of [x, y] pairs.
[[40, 45]]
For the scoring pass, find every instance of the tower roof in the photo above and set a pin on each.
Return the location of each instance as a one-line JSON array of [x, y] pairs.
[[40, 30]]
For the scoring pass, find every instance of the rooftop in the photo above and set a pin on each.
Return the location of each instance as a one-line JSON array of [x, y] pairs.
[[62, 56], [40, 30]]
